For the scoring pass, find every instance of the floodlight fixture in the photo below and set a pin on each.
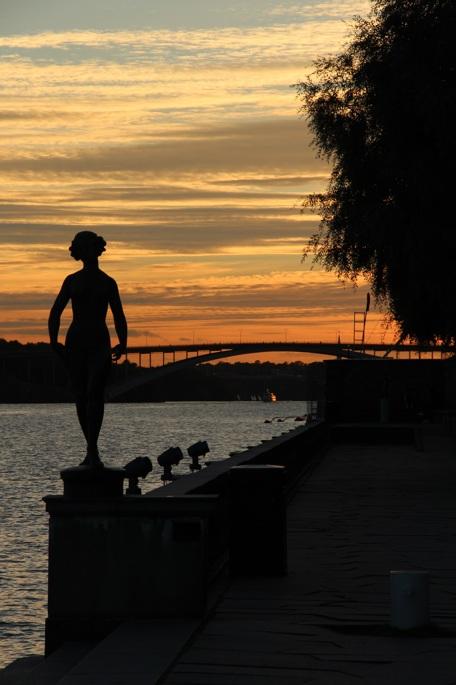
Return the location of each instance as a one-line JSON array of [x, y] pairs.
[[135, 469], [198, 449], [169, 458]]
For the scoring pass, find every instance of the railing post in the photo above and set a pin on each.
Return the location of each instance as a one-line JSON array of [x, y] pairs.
[[258, 543]]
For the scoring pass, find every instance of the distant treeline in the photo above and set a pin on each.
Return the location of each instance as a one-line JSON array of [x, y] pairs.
[[33, 373], [232, 381]]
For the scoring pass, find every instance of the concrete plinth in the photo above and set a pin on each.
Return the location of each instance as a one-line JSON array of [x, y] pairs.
[[113, 559], [258, 532]]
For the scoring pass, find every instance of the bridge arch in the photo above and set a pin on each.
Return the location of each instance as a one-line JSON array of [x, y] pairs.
[[152, 374]]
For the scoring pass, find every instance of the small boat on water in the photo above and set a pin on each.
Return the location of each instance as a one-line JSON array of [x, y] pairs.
[[269, 396]]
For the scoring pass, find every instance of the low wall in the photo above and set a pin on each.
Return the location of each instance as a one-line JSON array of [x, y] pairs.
[[294, 449], [167, 553]]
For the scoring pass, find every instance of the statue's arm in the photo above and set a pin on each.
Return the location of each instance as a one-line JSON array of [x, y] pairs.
[[57, 308], [120, 322]]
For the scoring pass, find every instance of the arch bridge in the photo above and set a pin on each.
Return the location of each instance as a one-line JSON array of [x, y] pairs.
[[176, 357]]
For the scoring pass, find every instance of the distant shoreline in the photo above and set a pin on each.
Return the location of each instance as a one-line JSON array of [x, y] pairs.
[[30, 374]]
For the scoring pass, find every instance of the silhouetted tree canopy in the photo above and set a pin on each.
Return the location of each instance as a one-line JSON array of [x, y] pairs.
[[384, 113]]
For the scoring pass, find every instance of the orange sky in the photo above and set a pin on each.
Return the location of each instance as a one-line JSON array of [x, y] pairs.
[[179, 140]]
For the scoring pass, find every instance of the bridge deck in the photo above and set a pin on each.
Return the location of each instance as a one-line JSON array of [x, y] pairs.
[[366, 510], [299, 346]]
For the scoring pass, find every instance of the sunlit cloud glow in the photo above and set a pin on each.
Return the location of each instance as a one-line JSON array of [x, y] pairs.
[[181, 146]]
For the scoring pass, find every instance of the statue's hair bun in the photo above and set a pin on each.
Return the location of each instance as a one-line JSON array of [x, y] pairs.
[[86, 245]]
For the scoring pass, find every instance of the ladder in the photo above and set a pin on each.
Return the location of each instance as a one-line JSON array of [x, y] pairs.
[[359, 324], [359, 327]]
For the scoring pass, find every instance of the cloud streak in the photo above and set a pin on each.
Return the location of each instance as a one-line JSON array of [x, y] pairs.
[[265, 45], [257, 146], [344, 9]]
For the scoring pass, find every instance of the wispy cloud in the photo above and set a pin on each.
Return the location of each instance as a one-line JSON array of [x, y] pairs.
[[344, 9], [267, 45], [281, 145]]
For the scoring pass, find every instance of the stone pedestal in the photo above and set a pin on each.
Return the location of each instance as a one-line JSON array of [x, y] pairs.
[[116, 558], [86, 482], [258, 528]]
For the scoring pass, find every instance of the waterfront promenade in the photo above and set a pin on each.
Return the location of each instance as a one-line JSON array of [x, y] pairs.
[[365, 511]]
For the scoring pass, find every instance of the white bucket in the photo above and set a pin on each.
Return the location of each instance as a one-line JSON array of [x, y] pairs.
[[409, 599]]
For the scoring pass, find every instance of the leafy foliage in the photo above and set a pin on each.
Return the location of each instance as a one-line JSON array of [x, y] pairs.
[[384, 113]]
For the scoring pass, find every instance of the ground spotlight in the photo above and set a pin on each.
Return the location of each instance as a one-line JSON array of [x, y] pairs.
[[135, 469], [198, 449], [169, 458]]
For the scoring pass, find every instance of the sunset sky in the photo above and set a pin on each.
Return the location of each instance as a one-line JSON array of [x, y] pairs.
[[170, 128]]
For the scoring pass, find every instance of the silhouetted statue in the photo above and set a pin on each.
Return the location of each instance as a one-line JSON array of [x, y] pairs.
[[87, 351]]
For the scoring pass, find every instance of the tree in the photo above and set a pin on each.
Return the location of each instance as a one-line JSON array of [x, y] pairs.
[[383, 112]]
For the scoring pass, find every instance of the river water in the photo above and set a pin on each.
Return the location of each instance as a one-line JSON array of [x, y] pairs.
[[38, 440]]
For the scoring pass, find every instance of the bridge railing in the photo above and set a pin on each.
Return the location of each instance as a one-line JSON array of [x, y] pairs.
[[174, 354]]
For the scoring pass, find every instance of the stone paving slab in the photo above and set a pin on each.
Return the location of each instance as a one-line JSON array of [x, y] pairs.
[[366, 510], [137, 653], [36, 670]]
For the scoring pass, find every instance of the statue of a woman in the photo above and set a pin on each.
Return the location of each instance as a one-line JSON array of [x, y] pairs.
[[87, 351]]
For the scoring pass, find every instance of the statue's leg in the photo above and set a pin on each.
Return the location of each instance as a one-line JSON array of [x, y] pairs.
[[81, 410], [99, 367], [78, 372]]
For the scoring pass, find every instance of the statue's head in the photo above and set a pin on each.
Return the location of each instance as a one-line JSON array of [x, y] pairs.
[[87, 246]]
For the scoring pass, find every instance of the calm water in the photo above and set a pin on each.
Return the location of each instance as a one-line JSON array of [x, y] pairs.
[[37, 441]]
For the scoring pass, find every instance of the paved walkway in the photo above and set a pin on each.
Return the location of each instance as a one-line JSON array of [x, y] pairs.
[[366, 510]]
